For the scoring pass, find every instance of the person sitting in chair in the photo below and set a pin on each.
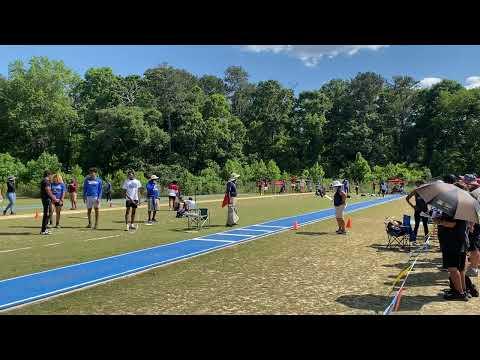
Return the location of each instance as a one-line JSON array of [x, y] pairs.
[[179, 206], [186, 206]]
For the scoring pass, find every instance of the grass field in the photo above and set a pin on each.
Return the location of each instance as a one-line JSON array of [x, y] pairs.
[[309, 271]]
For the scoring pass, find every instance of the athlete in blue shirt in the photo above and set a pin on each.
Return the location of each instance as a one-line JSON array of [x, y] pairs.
[[92, 193], [58, 190], [152, 196]]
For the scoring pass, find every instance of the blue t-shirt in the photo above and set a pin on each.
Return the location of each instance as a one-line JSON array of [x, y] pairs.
[[92, 187], [152, 189], [231, 189], [58, 189]]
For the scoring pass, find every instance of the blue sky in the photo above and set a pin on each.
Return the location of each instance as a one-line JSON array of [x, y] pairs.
[[302, 67]]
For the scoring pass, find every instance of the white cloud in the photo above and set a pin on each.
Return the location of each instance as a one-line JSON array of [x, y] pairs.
[[472, 82], [428, 82], [311, 54]]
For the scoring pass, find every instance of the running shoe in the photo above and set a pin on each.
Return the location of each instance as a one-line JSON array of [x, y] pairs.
[[46, 232], [89, 226], [148, 223], [455, 295]]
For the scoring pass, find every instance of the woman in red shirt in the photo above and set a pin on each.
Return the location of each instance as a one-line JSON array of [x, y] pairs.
[[173, 193], [72, 190]]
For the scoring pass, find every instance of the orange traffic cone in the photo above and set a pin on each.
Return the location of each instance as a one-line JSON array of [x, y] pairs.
[[349, 223], [36, 215], [296, 226]]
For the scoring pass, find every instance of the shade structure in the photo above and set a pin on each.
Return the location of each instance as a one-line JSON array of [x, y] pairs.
[[451, 200]]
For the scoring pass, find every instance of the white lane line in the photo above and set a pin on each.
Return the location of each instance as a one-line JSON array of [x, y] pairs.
[[216, 240], [52, 244], [225, 233], [104, 237], [261, 231], [6, 251], [272, 226]]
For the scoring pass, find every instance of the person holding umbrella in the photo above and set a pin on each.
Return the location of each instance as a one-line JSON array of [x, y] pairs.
[[231, 194], [458, 207]]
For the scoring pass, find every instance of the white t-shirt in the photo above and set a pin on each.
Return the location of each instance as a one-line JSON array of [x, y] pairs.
[[190, 204], [132, 187]]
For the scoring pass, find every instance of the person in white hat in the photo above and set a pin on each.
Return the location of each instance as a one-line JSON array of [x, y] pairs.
[[152, 197], [340, 202], [231, 191]]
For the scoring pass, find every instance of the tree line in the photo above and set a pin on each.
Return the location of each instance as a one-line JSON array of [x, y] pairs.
[[172, 122]]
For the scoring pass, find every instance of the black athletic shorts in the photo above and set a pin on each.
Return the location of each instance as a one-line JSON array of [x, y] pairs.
[[131, 204], [453, 259]]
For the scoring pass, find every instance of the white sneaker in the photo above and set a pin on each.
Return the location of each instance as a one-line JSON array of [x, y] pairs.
[[46, 232], [148, 223], [127, 227], [133, 227]]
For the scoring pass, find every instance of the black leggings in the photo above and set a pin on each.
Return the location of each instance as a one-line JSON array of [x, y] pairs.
[[417, 223], [46, 213]]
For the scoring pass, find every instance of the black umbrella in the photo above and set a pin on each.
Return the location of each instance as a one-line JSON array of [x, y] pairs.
[[451, 200]]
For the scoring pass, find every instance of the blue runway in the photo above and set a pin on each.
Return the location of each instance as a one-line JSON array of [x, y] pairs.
[[41, 285]]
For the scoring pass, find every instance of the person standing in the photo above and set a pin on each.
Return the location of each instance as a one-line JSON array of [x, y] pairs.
[[419, 208], [455, 243], [383, 188], [108, 191], [72, 190], [231, 192], [152, 197], [11, 196], [346, 186], [131, 186], [340, 202], [356, 189], [58, 190], [373, 187], [47, 198], [92, 193], [173, 193]]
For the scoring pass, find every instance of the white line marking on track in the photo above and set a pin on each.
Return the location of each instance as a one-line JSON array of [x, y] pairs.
[[245, 229], [52, 244], [6, 251], [224, 233], [216, 240], [104, 237], [272, 226]]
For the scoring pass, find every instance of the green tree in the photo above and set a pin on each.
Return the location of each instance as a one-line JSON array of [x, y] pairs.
[[35, 168], [273, 171], [38, 109], [316, 172], [10, 166]]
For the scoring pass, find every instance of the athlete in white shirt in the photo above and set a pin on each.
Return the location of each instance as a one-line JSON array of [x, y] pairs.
[[131, 186]]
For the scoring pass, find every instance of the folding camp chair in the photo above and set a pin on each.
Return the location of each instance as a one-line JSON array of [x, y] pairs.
[[399, 235], [198, 218]]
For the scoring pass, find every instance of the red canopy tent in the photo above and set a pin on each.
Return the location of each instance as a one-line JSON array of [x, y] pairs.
[[396, 181]]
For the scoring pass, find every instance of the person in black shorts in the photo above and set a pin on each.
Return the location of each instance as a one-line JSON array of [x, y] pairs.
[[47, 198], [455, 245], [420, 207], [132, 199]]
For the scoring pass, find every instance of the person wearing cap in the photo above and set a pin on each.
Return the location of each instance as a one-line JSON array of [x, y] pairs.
[[340, 202], [152, 198], [131, 186], [231, 192], [11, 196]]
